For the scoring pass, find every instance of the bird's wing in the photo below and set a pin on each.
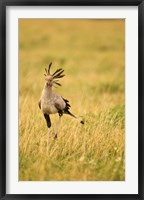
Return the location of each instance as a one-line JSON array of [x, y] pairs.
[[58, 102], [59, 109], [39, 104], [58, 106]]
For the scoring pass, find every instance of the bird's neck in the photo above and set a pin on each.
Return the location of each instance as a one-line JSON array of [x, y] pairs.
[[48, 89]]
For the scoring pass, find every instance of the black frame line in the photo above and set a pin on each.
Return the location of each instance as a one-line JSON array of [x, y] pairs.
[[3, 5]]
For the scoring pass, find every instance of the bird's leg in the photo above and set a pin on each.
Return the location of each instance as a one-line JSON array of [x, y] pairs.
[[48, 124], [48, 135], [55, 134]]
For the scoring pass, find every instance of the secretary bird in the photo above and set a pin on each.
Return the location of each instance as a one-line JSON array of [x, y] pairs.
[[52, 103]]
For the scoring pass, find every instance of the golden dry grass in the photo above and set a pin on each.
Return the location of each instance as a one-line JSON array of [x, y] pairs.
[[92, 55]]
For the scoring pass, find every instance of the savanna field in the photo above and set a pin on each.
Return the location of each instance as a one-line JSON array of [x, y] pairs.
[[92, 54]]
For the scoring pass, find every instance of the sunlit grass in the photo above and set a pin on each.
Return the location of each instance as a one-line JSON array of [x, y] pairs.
[[92, 54]]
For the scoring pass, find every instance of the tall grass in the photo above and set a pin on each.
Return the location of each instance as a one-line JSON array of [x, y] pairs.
[[92, 54]]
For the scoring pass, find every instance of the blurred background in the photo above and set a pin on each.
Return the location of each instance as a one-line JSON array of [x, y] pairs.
[[92, 53]]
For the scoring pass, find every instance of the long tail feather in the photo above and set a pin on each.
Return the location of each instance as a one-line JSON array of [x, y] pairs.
[[69, 113]]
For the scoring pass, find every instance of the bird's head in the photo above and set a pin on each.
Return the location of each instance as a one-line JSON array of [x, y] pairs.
[[51, 79]]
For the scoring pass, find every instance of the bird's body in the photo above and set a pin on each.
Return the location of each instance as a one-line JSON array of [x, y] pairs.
[[51, 102]]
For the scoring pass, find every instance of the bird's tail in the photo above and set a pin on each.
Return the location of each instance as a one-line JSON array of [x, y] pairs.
[[66, 111], [69, 113]]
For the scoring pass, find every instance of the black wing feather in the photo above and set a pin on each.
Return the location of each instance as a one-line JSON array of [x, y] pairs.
[[39, 104]]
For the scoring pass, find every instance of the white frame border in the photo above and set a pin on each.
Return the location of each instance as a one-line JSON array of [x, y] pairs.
[[130, 185]]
